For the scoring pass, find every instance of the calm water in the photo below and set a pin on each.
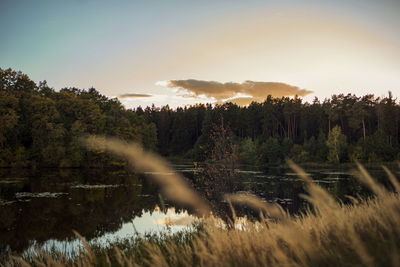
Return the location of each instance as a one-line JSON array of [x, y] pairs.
[[42, 208]]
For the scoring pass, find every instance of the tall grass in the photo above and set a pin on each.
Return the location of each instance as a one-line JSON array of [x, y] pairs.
[[364, 233]]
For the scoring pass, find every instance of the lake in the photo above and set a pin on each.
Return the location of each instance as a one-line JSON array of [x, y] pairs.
[[42, 208]]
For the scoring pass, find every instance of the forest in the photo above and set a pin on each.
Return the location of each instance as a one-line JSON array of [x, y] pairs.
[[43, 127], [345, 128]]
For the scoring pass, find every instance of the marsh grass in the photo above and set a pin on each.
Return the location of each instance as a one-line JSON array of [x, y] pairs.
[[364, 233]]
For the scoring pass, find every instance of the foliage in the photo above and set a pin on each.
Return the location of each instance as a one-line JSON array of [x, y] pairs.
[[248, 151], [282, 122], [337, 144], [299, 154], [270, 152], [49, 123], [218, 173], [42, 127]]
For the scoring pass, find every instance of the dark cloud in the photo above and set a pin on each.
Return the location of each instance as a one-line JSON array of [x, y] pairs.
[[258, 90], [133, 95]]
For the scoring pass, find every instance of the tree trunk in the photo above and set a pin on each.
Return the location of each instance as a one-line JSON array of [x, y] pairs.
[[329, 125], [363, 124]]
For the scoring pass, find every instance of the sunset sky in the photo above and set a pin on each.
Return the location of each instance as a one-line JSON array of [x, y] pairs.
[[183, 52]]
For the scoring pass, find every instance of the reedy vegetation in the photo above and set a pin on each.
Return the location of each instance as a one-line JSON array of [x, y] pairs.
[[365, 233]]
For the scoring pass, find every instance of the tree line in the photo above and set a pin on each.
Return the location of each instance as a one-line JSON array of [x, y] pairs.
[[43, 127], [344, 128]]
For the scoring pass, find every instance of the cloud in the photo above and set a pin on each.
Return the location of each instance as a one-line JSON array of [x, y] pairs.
[[134, 95], [223, 92]]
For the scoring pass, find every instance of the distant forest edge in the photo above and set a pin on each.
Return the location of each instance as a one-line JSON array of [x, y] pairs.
[[42, 127]]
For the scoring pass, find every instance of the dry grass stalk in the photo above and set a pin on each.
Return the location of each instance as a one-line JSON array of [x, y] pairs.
[[364, 177], [367, 234], [272, 210], [393, 179], [171, 183], [319, 198]]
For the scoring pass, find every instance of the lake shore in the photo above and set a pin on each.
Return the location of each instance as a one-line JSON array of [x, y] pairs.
[[345, 234]]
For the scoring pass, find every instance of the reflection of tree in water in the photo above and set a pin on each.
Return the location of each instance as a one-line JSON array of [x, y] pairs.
[[90, 211], [279, 185], [217, 176]]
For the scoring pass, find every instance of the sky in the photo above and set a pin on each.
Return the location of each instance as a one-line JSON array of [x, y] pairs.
[[184, 52]]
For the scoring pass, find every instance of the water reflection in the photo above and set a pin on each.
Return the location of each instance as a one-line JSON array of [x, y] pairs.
[[149, 222], [41, 208]]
